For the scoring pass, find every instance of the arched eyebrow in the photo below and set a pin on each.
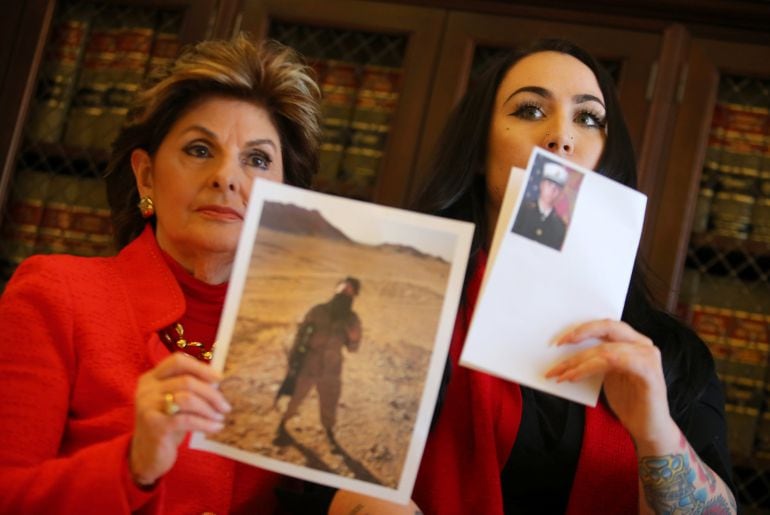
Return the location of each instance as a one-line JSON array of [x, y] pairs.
[[586, 97], [211, 134], [537, 90]]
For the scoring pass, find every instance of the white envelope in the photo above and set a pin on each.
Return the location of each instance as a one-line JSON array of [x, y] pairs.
[[533, 292]]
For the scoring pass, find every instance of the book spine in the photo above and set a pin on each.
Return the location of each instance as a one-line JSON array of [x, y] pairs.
[[132, 50], [82, 128], [339, 82], [75, 218], [24, 215], [738, 149], [45, 123], [376, 102], [90, 231], [165, 47], [57, 214], [740, 344], [713, 325], [731, 214], [735, 163]]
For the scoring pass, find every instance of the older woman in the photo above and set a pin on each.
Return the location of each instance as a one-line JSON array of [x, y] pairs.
[[656, 441], [105, 358]]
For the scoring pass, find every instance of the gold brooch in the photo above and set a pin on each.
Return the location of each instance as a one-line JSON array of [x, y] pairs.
[[196, 349]]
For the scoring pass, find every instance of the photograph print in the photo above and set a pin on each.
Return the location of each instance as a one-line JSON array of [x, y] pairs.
[[549, 200], [337, 338]]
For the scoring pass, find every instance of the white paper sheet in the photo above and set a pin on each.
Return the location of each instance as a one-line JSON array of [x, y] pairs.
[[411, 267], [533, 292]]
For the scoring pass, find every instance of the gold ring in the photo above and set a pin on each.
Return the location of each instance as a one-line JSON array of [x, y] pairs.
[[170, 407]]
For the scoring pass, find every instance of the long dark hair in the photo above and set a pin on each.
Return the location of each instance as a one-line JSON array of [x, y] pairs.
[[457, 189]]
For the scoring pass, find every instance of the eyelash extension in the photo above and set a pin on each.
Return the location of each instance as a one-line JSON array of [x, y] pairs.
[[524, 105], [601, 120]]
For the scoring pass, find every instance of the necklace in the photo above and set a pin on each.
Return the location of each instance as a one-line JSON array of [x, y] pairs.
[[177, 341]]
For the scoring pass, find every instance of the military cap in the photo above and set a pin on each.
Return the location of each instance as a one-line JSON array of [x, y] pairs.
[[555, 173]]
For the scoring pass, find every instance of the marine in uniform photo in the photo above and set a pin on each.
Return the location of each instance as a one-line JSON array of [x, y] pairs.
[[539, 219]]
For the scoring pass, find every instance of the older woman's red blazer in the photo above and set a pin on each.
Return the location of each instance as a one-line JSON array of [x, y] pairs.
[[75, 335]]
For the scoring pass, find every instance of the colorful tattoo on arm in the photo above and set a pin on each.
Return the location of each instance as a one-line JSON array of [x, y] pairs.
[[680, 483]]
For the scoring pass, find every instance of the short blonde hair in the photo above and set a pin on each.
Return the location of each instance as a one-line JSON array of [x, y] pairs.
[[267, 74]]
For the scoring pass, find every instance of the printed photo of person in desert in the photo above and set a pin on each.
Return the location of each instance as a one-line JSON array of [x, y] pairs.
[[333, 340]]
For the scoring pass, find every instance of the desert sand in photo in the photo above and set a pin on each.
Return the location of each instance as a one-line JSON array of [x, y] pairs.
[[399, 305]]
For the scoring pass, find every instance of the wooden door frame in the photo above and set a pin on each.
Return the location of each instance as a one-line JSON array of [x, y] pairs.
[[681, 172], [16, 90]]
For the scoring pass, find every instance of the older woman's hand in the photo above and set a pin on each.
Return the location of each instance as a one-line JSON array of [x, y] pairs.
[[633, 383], [177, 396]]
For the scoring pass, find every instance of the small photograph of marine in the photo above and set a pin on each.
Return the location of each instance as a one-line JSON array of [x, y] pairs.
[[546, 209]]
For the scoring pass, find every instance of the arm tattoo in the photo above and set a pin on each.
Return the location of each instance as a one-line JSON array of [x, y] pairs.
[[680, 483]]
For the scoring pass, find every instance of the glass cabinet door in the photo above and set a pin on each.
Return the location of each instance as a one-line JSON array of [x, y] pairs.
[[725, 291], [373, 62], [360, 75], [95, 58]]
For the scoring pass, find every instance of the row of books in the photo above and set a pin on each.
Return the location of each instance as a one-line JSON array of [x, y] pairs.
[[734, 197], [358, 105], [92, 67], [54, 213], [742, 127], [740, 344]]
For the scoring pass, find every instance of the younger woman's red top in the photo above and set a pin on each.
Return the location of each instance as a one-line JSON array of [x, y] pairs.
[[477, 427]]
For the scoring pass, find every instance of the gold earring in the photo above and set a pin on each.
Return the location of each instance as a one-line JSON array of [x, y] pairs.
[[146, 207]]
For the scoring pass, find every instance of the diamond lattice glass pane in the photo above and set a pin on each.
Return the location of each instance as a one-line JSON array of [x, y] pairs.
[[360, 76], [96, 56], [343, 45]]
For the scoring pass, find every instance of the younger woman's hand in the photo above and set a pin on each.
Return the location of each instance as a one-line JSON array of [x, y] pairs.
[[177, 396], [633, 382]]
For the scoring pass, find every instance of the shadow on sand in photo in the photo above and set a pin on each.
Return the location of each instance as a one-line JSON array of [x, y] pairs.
[[312, 460]]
